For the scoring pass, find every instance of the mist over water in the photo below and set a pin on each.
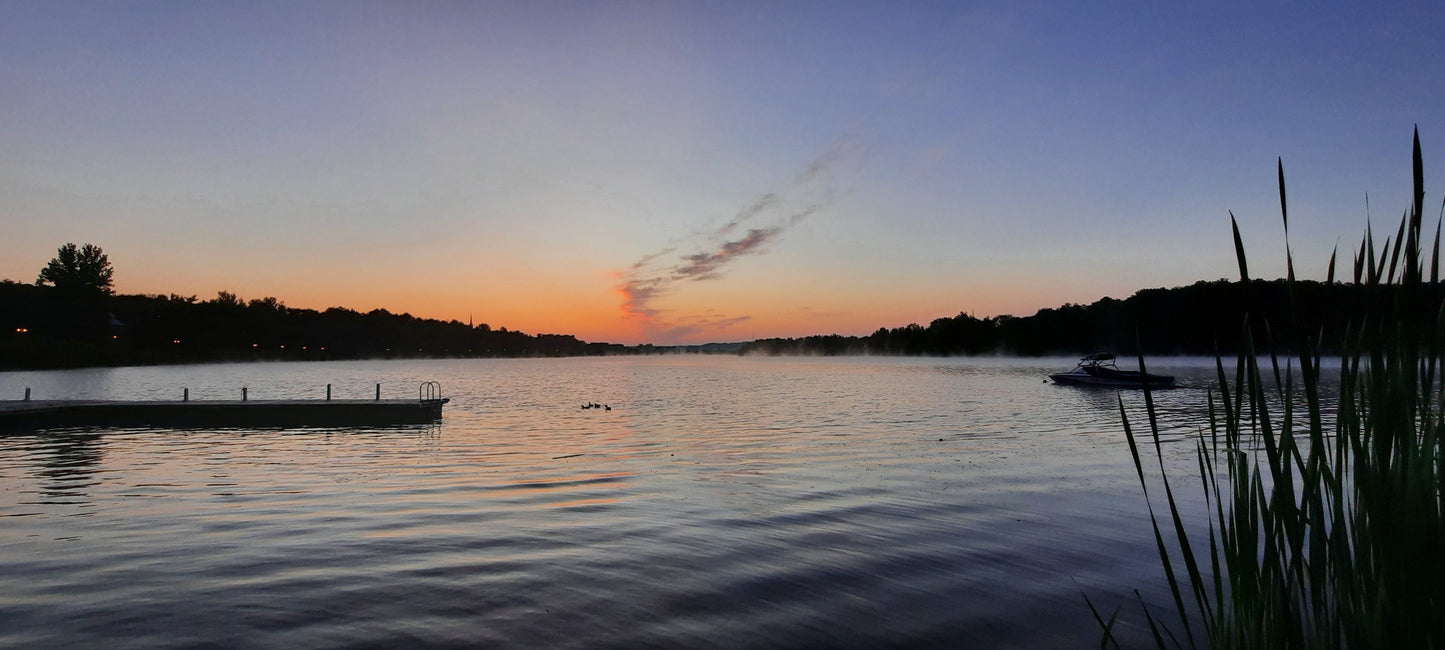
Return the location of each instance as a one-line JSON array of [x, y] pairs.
[[722, 502]]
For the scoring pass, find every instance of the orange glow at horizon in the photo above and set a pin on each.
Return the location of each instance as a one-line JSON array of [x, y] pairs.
[[596, 312]]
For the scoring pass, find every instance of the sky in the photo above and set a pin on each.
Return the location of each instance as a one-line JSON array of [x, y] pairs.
[[689, 172]]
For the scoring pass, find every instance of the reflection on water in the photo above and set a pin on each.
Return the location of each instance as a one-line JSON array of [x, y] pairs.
[[722, 502], [66, 465]]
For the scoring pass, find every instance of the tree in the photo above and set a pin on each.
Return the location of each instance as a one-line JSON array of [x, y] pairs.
[[85, 268], [227, 299], [269, 303]]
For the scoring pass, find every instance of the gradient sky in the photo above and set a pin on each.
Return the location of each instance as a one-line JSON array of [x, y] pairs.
[[705, 171]]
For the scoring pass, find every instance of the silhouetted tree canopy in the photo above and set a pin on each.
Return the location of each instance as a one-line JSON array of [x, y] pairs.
[[1200, 319], [46, 327], [78, 269]]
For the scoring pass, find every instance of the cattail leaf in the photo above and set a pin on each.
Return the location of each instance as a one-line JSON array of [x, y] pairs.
[[1359, 263], [1283, 207], [1239, 248], [1399, 245], [1418, 166], [1435, 254]]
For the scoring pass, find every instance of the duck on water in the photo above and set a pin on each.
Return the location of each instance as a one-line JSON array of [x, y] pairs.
[[1100, 370]]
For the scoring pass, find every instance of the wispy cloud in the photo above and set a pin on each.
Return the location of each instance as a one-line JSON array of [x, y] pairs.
[[704, 266], [763, 203], [770, 215]]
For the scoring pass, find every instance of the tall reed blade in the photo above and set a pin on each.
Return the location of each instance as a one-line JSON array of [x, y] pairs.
[[1239, 249], [1399, 245], [1435, 254], [1283, 205], [1360, 261], [1417, 166], [1284, 215], [1158, 535]]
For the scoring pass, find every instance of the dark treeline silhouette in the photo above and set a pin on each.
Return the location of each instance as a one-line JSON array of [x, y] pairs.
[[1199, 319], [51, 327], [55, 327]]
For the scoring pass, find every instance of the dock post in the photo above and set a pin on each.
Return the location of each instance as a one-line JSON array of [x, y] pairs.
[[378, 392], [328, 392], [185, 394], [27, 393], [243, 393]]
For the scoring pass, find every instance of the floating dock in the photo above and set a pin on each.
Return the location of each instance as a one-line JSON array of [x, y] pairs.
[[43, 414]]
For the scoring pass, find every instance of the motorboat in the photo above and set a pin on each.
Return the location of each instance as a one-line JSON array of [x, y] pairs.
[[1100, 370]]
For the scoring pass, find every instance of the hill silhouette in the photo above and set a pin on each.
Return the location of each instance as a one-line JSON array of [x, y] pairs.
[[1199, 319]]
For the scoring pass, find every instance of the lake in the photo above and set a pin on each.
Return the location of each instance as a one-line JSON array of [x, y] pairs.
[[722, 502]]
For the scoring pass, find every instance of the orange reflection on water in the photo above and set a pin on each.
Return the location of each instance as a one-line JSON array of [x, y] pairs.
[[577, 503]]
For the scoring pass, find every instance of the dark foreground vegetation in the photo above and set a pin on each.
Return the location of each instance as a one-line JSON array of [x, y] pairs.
[[1323, 532]]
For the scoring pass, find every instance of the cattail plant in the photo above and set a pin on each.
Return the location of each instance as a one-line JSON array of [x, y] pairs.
[[1320, 533]]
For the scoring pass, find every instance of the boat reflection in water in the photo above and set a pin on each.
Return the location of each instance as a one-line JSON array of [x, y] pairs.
[[1100, 370]]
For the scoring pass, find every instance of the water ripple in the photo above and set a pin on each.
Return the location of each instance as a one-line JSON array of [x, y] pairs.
[[723, 502]]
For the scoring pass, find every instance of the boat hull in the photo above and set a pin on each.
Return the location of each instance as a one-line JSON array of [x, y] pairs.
[[1123, 379]]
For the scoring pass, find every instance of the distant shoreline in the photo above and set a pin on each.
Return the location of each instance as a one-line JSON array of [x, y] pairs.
[[45, 329]]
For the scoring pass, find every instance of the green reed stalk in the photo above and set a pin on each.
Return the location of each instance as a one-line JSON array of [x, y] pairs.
[[1321, 536]]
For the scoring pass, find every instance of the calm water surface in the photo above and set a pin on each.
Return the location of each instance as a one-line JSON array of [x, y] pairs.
[[722, 502]]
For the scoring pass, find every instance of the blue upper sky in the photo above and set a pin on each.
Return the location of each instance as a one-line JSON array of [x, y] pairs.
[[673, 172]]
